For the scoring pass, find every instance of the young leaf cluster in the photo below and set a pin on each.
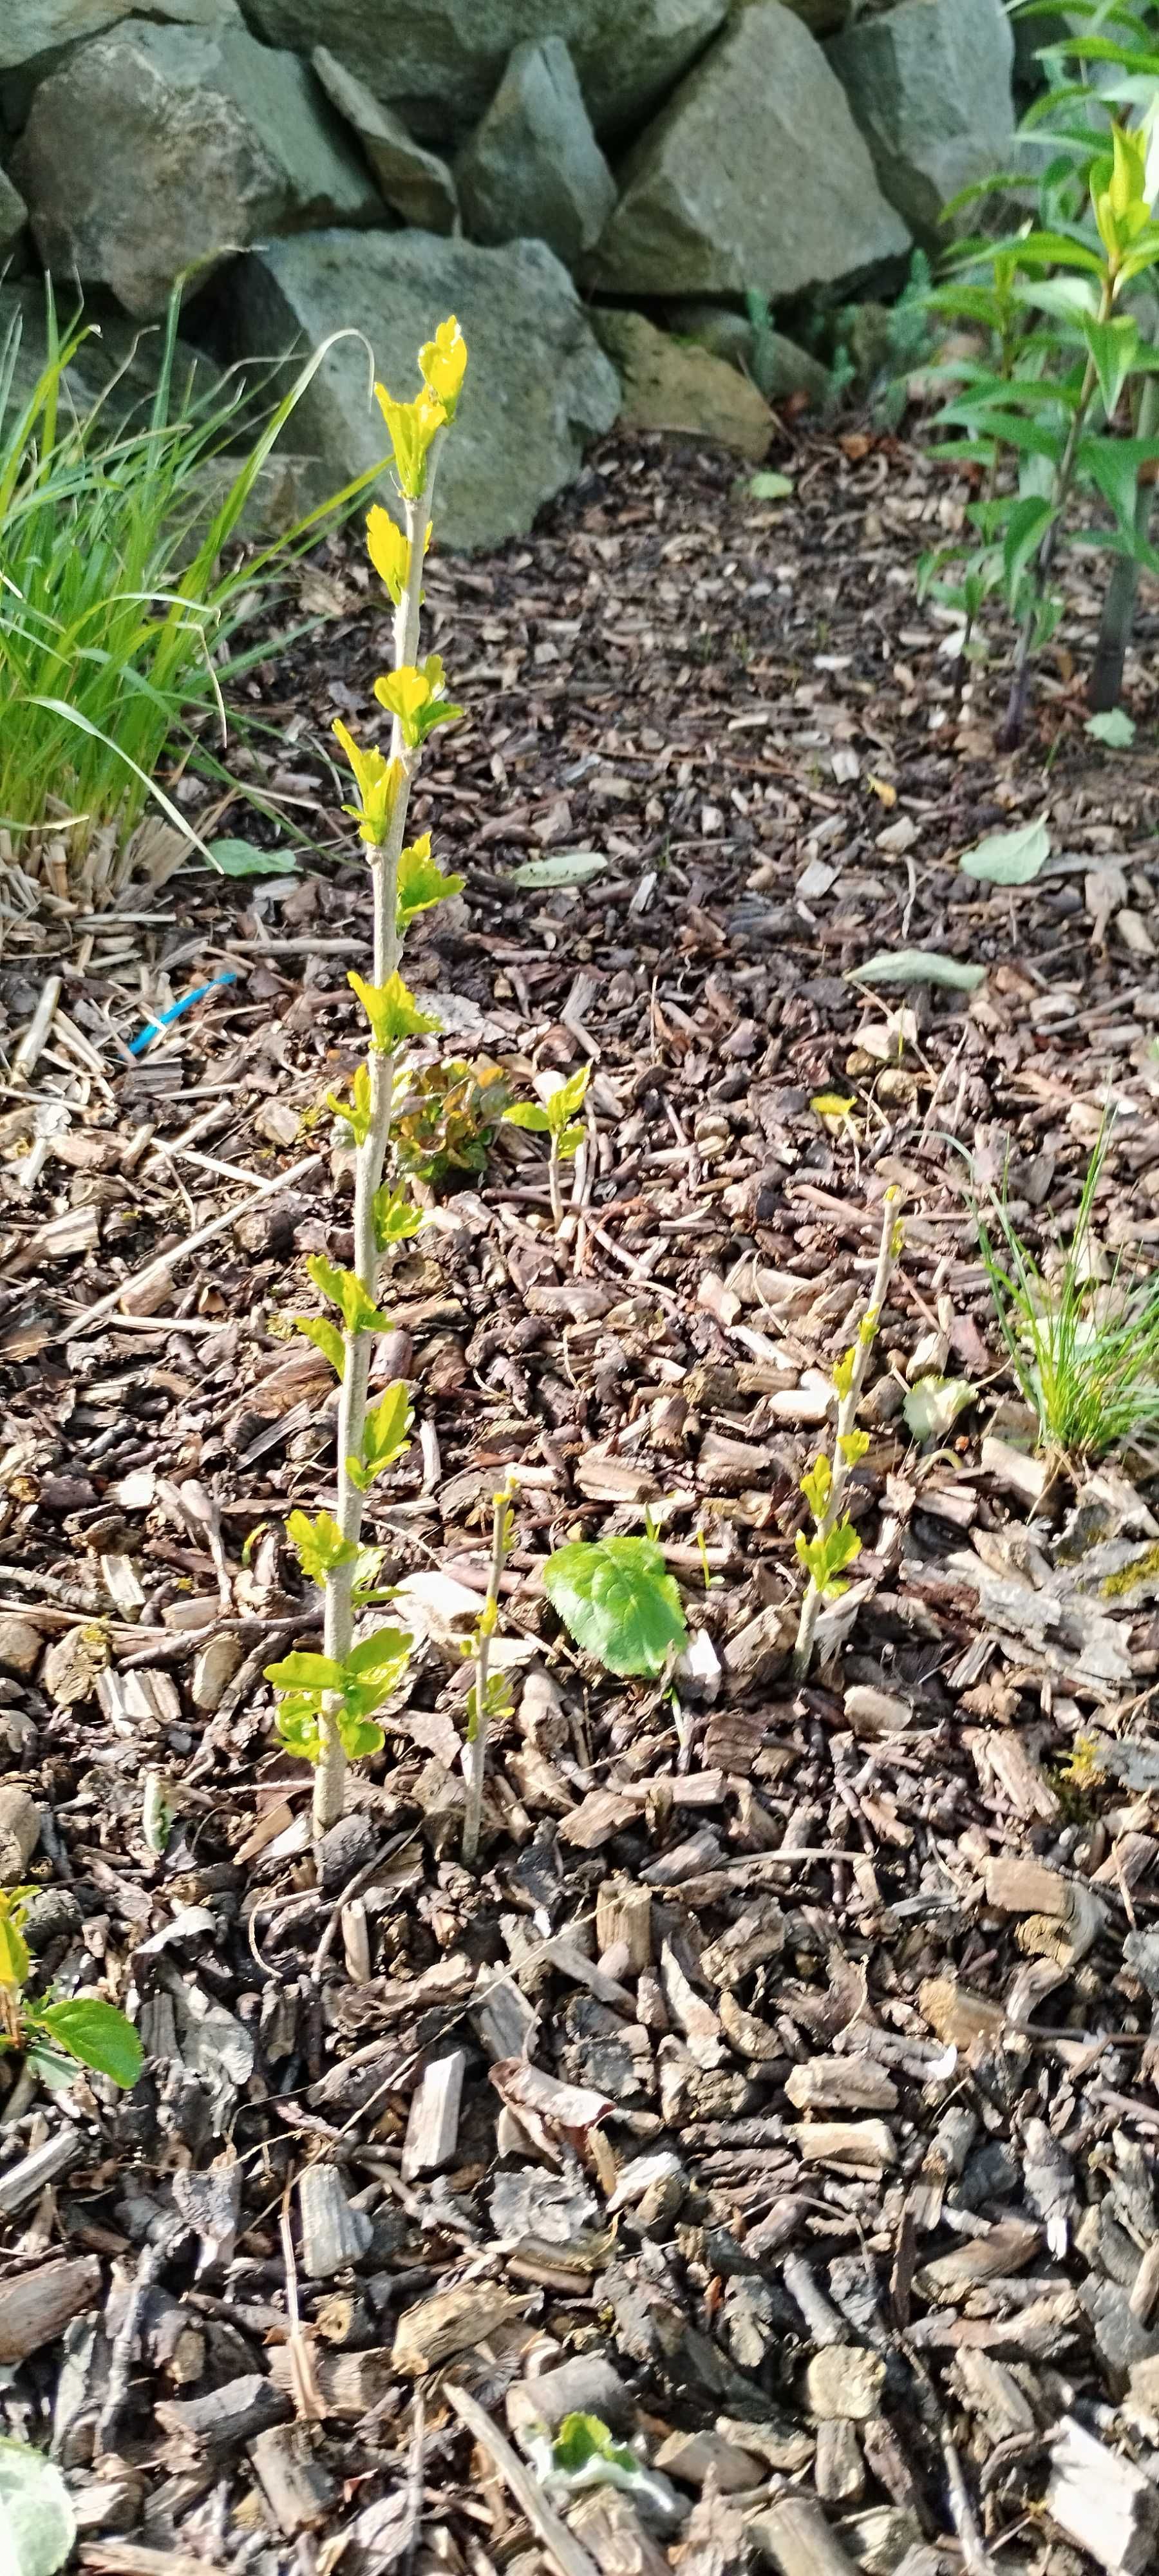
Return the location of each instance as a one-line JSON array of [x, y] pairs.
[[77, 2027], [617, 1599]]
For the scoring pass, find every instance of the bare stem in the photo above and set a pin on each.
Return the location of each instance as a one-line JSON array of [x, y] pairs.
[[887, 1254], [477, 1773], [370, 1164], [555, 1184], [1010, 731]]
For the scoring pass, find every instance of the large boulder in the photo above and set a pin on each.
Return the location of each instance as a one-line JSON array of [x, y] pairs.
[[685, 390], [13, 218], [533, 166], [415, 183], [29, 28], [155, 151], [929, 84], [439, 61], [754, 176], [537, 383]]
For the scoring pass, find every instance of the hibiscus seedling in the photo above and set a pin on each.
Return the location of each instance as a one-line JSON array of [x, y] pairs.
[[49, 2034], [555, 1117], [328, 1702], [616, 1597]]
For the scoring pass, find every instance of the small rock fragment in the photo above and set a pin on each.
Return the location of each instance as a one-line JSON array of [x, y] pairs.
[[846, 2381]]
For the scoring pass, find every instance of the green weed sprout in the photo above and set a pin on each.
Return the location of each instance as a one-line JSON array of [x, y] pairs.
[[834, 1544], [49, 2033], [556, 1119], [616, 1597], [328, 1703], [1086, 1356]]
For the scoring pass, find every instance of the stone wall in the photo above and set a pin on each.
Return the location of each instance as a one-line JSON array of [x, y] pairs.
[[543, 168]]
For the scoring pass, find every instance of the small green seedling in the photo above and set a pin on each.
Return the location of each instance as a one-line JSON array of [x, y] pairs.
[[617, 1599], [48, 2034], [833, 1545], [583, 2453], [556, 1119]]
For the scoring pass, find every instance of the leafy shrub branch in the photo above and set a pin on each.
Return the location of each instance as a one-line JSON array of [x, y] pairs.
[[328, 1703]]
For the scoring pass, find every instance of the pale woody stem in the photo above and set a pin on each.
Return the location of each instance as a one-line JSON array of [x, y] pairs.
[[370, 1161], [847, 1422]]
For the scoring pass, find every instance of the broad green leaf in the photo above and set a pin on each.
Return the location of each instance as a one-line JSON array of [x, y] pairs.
[[919, 966], [570, 1096], [1113, 346], [392, 1011], [1027, 526], [771, 487], [95, 2033], [1008, 858], [14, 1959], [358, 1736], [932, 1407], [37, 2523], [244, 859], [326, 1338], [1115, 728], [528, 1114], [385, 1437], [396, 1218], [346, 1291], [380, 1657], [296, 1720], [357, 1111], [305, 1672], [568, 1142], [421, 882], [319, 1545], [618, 1600], [566, 868]]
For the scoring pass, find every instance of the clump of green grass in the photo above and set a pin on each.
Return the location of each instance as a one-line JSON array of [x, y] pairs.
[[1085, 1353], [119, 610]]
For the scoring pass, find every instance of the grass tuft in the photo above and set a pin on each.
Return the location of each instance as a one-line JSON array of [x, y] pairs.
[[118, 608], [1085, 1353]]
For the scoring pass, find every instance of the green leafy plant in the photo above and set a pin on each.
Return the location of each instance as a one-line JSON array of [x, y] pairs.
[[617, 1599], [555, 1116], [1085, 1353], [831, 1547], [49, 2034], [120, 622], [327, 1703], [1065, 349], [447, 1117], [37, 2522]]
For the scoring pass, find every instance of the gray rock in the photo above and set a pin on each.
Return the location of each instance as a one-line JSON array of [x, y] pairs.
[[439, 61], [537, 383], [778, 367], [774, 211], [533, 166], [416, 183], [157, 150], [116, 363], [689, 391], [29, 28], [929, 84], [13, 218]]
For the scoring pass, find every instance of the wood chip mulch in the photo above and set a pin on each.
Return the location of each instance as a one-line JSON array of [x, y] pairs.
[[782, 2091]]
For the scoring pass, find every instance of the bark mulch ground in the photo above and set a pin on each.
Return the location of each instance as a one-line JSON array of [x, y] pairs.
[[782, 2090]]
